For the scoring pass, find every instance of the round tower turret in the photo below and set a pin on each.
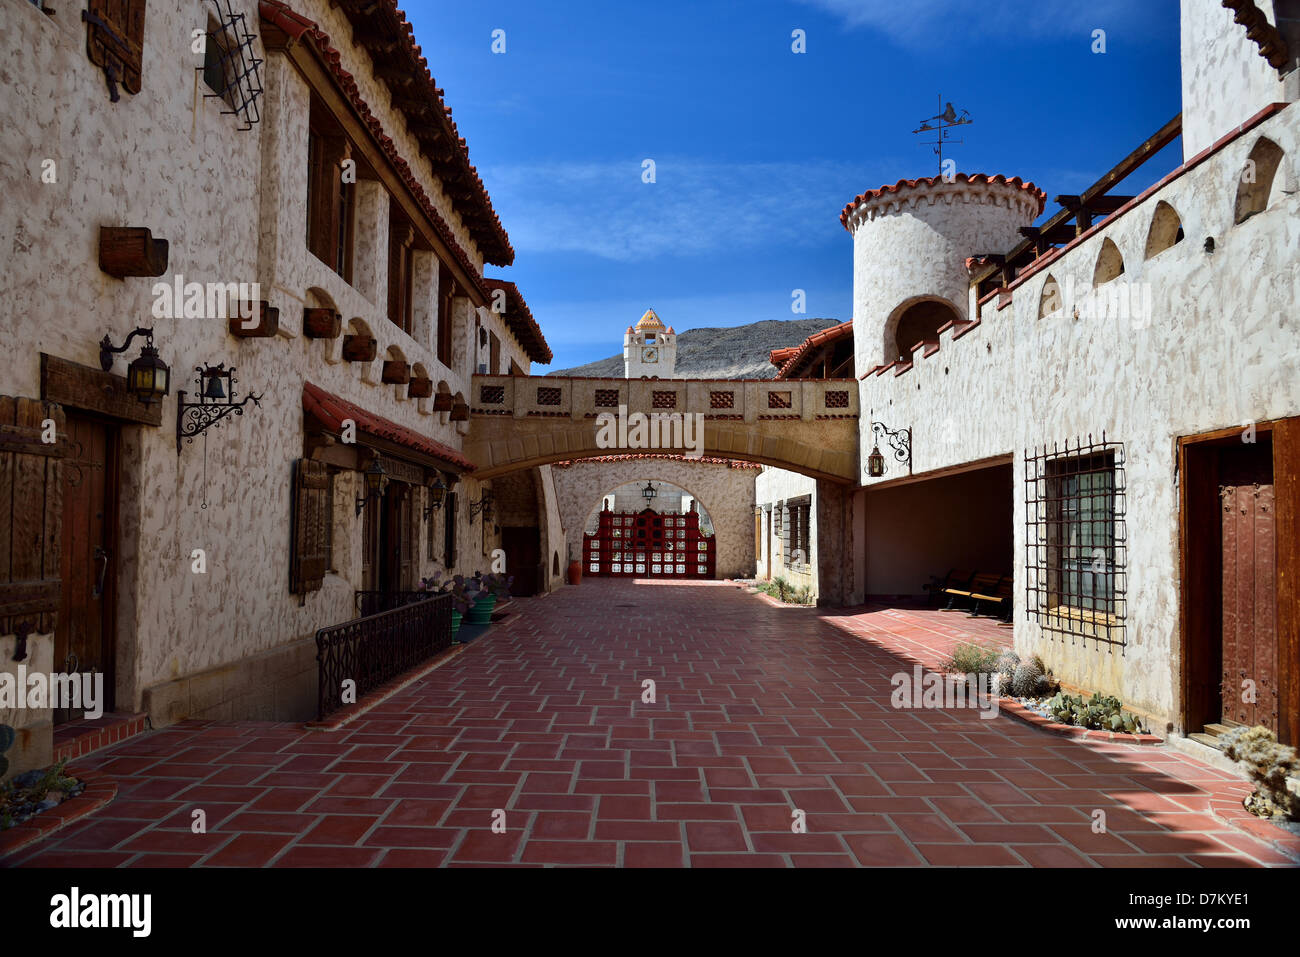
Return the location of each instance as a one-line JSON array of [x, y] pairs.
[[910, 245]]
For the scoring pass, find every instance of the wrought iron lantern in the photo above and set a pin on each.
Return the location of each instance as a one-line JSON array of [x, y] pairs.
[[649, 492], [148, 378], [900, 445], [437, 492], [484, 505], [376, 479]]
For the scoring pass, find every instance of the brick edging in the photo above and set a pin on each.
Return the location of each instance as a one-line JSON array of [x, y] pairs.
[[381, 694], [1014, 708], [99, 791], [92, 740]]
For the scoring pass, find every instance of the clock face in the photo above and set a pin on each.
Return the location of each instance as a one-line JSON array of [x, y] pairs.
[[650, 354]]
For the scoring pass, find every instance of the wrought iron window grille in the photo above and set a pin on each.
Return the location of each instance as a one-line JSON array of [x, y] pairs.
[[235, 63], [1076, 541]]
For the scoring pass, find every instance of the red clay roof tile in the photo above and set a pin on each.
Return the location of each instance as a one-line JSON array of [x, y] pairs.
[[332, 410], [932, 180]]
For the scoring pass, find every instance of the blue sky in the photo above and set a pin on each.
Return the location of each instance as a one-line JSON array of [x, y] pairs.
[[757, 148]]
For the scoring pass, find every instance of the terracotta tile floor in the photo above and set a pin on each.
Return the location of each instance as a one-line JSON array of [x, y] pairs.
[[759, 711]]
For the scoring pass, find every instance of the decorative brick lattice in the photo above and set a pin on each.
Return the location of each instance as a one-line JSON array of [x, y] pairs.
[[779, 400], [606, 398], [722, 400], [837, 400], [492, 394], [665, 400], [547, 395]]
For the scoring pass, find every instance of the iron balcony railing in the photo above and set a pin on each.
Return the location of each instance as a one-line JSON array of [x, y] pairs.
[[373, 602], [376, 648]]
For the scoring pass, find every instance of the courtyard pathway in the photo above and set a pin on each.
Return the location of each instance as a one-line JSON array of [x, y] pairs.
[[758, 711]]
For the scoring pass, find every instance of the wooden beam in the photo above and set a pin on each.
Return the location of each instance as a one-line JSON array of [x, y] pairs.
[[81, 387], [1100, 204], [131, 251]]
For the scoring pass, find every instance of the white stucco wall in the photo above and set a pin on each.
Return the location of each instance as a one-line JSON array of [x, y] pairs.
[[1225, 79], [232, 206], [1220, 348], [773, 487]]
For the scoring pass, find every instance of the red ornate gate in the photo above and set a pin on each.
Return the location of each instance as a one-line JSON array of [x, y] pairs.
[[648, 544]]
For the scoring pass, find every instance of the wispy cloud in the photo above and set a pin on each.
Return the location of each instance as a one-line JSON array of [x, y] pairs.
[[923, 23], [694, 207]]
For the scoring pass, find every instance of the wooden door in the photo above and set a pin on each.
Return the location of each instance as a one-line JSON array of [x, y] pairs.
[[523, 548], [83, 640], [396, 543], [1249, 610]]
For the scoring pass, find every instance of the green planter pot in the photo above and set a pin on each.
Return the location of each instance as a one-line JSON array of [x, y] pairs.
[[481, 611], [455, 623]]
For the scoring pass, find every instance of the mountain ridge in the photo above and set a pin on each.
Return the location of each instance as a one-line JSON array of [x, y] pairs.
[[720, 352]]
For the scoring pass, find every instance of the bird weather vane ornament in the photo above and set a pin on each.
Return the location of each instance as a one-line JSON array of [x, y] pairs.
[[941, 124]]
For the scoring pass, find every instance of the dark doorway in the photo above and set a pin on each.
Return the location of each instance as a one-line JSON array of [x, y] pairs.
[[1239, 659], [389, 541], [84, 635], [523, 547]]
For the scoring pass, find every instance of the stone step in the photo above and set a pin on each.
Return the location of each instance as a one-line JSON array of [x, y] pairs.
[[1221, 728], [1210, 740]]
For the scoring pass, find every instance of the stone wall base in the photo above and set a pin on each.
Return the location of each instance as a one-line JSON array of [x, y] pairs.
[[276, 685]]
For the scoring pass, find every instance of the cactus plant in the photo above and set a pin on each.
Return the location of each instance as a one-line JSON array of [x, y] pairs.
[[1028, 679], [1099, 713], [1268, 763], [6, 742], [1004, 672]]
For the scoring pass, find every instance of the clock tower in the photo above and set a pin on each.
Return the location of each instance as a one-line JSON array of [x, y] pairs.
[[649, 349]]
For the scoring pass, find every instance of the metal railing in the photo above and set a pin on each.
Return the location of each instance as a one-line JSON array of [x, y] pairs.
[[373, 602], [376, 648]]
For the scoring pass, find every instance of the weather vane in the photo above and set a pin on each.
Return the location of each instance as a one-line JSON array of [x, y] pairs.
[[941, 124]]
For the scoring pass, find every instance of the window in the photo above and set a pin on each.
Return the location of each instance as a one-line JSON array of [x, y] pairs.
[[217, 63], [446, 300], [798, 532], [330, 198], [401, 270], [1076, 542]]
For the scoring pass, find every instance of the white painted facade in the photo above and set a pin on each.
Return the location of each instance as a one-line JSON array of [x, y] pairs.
[[1219, 347]]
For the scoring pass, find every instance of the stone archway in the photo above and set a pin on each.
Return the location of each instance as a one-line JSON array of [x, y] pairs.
[[724, 491], [915, 321]]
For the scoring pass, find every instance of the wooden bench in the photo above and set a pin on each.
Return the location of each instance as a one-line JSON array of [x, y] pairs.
[[956, 578], [999, 598], [982, 584]]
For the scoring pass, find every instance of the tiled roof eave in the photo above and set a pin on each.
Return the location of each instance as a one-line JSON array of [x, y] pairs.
[[297, 27], [332, 411]]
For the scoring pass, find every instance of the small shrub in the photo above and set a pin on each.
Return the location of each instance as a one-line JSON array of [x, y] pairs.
[[1269, 764], [969, 658]]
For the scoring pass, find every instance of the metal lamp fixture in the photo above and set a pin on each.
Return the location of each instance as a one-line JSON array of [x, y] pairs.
[[649, 492], [216, 401], [376, 483], [900, 444], [437, 492], [147, 377], [484, 505]]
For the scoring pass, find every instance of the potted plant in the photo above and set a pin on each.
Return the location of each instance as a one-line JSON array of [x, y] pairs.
[[464, 593], [485, 599]]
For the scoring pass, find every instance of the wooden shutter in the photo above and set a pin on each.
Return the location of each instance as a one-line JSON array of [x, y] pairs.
[[115, 41], [31, 514], [311, 512], [449, 531]]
